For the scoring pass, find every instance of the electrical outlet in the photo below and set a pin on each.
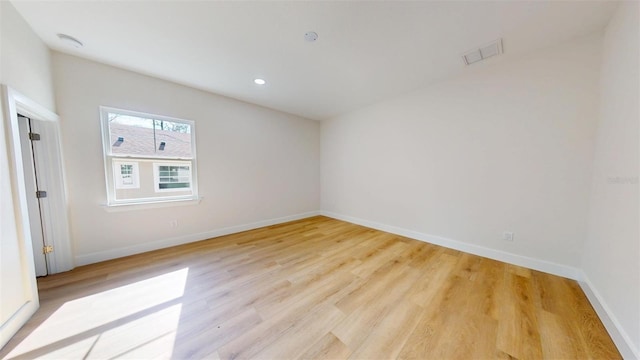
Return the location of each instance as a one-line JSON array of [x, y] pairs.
[[507, 236], [173, 223]]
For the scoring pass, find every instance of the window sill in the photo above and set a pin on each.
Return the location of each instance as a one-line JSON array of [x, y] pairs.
[[150, 205]]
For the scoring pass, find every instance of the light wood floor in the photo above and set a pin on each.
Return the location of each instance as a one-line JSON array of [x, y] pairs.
[[315, 288]]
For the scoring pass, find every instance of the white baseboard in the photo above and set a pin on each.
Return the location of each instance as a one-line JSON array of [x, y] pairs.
[[524, 261], [616, 331], [164, 243]]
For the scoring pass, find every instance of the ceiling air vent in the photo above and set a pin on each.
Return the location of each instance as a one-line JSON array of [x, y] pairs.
[[492, 49]]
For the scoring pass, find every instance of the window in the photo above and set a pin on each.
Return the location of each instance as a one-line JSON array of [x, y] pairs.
[[126, 174], [172, 177], [148, 158]]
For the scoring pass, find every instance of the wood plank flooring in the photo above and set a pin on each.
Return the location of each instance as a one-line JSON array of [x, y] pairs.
[[317, 288]]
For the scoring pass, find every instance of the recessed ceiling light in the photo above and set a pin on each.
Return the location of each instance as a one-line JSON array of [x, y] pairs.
[[259, 81], [311, 36], [70, 40]]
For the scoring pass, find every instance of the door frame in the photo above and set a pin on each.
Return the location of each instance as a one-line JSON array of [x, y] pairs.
[[51, 174]]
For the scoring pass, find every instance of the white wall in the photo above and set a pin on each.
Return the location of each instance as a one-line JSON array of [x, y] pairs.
[[25, 61], [506, 146], [611, 260], [254, 164], [24, 66]]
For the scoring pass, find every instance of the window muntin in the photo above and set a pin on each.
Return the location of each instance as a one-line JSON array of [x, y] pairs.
[[148, 158]]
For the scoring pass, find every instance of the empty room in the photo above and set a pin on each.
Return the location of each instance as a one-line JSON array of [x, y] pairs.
[[319, 179]]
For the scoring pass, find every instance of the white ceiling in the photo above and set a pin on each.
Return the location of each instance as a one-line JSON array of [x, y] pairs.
[[366, 51]]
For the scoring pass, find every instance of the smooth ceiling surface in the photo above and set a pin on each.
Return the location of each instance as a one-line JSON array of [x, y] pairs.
[[366, 51]]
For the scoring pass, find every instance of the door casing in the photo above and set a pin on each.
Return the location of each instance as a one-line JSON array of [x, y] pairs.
[[55, 211], [51, 167]]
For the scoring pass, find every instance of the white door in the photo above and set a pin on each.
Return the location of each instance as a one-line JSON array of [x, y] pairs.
[[18, 289], [29, 152]]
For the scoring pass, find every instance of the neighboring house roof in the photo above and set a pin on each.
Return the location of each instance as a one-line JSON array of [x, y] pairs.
[[139, 141]]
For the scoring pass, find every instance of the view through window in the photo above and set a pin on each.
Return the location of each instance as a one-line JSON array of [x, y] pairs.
[[148, 158]]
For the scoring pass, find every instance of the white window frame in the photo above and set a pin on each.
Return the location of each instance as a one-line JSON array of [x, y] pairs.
[[119, 180], [110, 159], [156, 176]]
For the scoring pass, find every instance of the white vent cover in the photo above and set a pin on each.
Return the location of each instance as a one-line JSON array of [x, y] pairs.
[[492, 49]]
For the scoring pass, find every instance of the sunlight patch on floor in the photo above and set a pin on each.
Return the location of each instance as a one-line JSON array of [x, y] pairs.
[[148, 337], [131, 319]]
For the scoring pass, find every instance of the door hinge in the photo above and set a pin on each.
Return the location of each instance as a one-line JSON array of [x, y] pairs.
[[34, 136], [47, 249], [41, 194]]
